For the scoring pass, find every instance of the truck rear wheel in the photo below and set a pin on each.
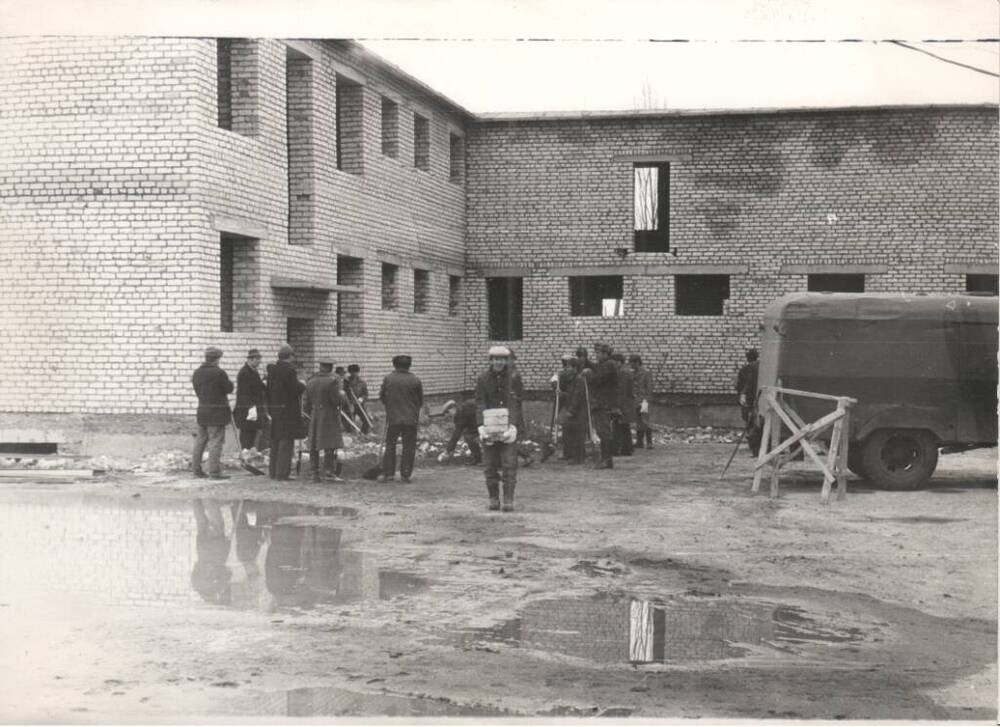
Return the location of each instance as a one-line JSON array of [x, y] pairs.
[[854, 463], [899, 459]]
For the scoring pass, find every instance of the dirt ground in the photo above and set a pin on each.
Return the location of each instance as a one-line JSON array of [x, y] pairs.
[[890, 599]]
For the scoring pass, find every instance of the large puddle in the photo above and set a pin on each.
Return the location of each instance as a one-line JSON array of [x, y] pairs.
[[241, 554], [618, 628]]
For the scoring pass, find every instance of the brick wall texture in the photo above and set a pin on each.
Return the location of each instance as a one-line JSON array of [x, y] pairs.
[[908, 189], [117, 182]]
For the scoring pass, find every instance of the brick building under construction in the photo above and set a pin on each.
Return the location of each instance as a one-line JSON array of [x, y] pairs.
[[164, 194]]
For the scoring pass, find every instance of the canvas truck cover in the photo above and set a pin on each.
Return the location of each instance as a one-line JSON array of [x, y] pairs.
[[910, 361]]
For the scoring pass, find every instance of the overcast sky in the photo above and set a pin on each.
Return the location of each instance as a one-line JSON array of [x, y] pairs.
[[599, 57]]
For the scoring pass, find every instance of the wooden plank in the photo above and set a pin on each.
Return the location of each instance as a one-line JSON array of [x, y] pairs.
[[36, 474], [805, 444], [815, 428], [809, 394], [762, 452], [775, 439]]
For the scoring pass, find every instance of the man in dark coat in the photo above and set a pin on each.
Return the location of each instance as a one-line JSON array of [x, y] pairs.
[[642, 387], [323, 401], [602, 390], [212, 385], [499, 387], [357, 394], [402, 394], [746, 389], [284, 391], [573, 414], [626, 405], [249, 414]]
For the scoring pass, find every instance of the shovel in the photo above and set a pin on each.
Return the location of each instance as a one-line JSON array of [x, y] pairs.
[[239, 450], [591, 433]]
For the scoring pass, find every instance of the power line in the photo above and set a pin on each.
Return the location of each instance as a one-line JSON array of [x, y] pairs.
[[946, 60]]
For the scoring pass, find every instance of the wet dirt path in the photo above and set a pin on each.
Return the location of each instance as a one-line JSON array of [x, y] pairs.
[[654, 591]]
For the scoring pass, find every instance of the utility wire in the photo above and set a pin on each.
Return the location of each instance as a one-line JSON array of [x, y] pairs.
[[946, 60]]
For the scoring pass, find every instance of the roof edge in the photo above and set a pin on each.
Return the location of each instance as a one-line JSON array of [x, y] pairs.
[[500, 117]]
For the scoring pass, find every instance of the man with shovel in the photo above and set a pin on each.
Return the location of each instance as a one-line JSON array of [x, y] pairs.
[[498, 406], [322, 403], [602, 395]]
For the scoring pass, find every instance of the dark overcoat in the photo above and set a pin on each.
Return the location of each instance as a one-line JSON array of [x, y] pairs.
[[250, 392], [323, 400], [626, 394], [501, 390], [212, 385], [402, 393], [284, 391], [603, 385]]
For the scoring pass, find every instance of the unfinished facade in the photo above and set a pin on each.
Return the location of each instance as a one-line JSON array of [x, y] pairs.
[[164, 194]]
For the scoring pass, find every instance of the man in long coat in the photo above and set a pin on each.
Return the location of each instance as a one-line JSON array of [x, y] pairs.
[[284, 391], [402, 394], [642, 387], [250, 395], [323, 401], [212, 385], [626, 404], [602, 388]]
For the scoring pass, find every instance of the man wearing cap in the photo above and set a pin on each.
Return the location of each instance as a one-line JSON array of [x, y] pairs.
[[284, 392], [499, 387], [249, 414], [602, 390], [623, 420], [746, 389], [402, 394], [323, 401], [357, 394], [642, 384], [212, 385]]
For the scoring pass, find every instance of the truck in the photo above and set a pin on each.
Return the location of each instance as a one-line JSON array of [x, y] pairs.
[[923, 369]]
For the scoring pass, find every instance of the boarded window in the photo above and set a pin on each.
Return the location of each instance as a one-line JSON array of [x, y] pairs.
[[836, 283], [981, 283], [238, 267], [456, 158], [700, 295], [348, 112], [505, 301], [596, 295], [454, 295], [651, 192], [421, 291], [390, 285], [236, 88], [421, 143], [390, 127], [350, 319]]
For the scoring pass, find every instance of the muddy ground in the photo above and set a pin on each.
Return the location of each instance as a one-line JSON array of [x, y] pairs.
[[881, 606]]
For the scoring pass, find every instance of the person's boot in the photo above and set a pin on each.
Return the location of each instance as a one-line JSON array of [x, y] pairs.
[[649, 439], [508, 497], [493, 489]]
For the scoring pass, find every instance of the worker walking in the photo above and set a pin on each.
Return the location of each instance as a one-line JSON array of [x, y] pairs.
[[402, 394], [499, 391], [212, 386], [323, 401]]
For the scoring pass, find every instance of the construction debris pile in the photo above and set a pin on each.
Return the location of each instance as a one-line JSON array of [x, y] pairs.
[[431, 443]]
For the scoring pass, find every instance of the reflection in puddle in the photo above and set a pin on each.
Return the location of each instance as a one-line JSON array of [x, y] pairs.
[[243, 554], [620, 629]]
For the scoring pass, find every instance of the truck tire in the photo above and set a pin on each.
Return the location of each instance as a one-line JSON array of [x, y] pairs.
[[854, 463], [899, 459]]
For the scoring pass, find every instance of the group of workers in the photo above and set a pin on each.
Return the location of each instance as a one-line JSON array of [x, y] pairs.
[[596, 402]]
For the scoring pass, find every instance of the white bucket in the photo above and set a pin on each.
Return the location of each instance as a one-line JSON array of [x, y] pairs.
[[495, 420]]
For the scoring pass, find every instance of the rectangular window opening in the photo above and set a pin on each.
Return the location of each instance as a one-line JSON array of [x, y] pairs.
[[456, 158], [421, 291], [390, 292], [454, 295], [238, 273], [597, 295], [349, 125], [836, 283], [421, 143], [700, 295], [505, 300], [390, 127], [236, 88], [350, 309], [651, 205], [982, 283]]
